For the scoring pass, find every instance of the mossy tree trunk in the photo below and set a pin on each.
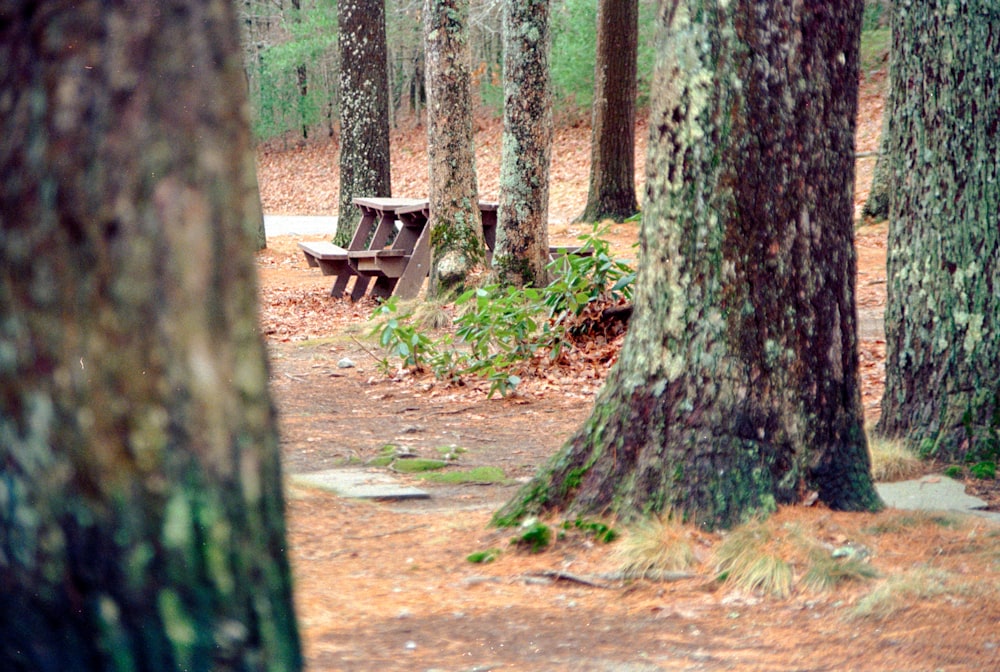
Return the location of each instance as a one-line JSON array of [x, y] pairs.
[[364, 110], [737, 385], [141, 513], [611, 194], [942, 319], [457, 244], [522, 246]]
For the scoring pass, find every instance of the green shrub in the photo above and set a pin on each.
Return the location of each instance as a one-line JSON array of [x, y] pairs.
[[500, 328], [984, 470]]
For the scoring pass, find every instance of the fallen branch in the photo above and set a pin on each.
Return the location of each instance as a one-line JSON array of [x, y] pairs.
[[559, 575]]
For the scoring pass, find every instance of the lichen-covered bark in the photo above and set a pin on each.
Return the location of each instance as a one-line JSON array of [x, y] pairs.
[[737, 387], [611, 194], [364, 110], [141, 515], [522, 245], [457, 245], [942, 336]]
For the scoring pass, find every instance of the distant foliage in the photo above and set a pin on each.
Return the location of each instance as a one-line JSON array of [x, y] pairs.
[[281, 43]]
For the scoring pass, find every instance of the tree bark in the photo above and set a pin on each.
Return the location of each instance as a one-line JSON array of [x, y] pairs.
[[522, 245], [141, 513], [611, 194], [364, 110], [942, 335], [877, 203], [457, 244], [737, 386]]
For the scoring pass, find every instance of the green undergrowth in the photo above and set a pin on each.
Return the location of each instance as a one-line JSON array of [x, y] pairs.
[[497, 330]]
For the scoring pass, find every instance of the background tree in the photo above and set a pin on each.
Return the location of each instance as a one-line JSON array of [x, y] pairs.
[[457, 228], [141, 516], [942, 335], [522, 244], [877, 203], [611, 194], [364, 110], [737, 385]]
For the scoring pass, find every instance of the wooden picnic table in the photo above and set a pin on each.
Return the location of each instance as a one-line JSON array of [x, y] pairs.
[[397, 257], [378, 219]]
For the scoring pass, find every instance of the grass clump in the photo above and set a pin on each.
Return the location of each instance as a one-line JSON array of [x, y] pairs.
[[475, 475], [656, 547], [775, 559], [751, 558], [892, 460], [897, 592]]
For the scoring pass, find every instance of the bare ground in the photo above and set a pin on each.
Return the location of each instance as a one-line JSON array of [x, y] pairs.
[[386, 586]]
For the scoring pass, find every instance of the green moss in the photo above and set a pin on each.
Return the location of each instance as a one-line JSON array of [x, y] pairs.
[[476, 475], [417, 465]]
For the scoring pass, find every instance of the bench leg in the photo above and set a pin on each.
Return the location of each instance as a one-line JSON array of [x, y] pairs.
[[360, 285]]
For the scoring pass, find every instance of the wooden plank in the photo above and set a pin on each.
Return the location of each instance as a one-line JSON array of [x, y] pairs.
[[318, 249]]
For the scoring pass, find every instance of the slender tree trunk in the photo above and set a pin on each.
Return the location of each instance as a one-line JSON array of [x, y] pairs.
[[737, 386], [141, 514], [457, 241], [522, 245], [612, 146], [877, 204], [364, 110], [942, 318]]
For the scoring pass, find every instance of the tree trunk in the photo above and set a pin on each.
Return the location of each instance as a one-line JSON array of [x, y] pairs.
[[522, 245], [942, 335], [364, 110], [457, 245], [877, 204], [141, 514], [612, 145], [737, 387]]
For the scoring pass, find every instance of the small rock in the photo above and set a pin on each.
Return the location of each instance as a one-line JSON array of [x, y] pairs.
[[410, 645], [346, 363]]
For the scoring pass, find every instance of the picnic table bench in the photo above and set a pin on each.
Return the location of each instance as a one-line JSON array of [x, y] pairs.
[[400, 265]]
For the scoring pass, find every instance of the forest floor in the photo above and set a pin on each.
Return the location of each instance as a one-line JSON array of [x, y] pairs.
[[386, 585]]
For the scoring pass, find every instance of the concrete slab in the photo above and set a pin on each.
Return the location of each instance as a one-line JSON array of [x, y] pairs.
[[933, 493], [295, 225], [359, 484]]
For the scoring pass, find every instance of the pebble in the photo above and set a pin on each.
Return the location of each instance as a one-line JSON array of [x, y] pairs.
[[346, 363]]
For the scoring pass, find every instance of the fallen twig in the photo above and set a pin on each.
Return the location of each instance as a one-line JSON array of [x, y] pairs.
[[365, 348], [385, 534]]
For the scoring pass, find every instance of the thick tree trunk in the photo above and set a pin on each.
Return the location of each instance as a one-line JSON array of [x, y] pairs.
[[942, 318], [522, 247], [457, 241], [141, 515], [612, 146], [737, 387], [364, 110]]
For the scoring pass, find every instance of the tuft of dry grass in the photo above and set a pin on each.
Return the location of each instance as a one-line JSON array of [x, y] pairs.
[[901, 590], [892, 460], [656, 547], [776, 558], [752, 557]]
